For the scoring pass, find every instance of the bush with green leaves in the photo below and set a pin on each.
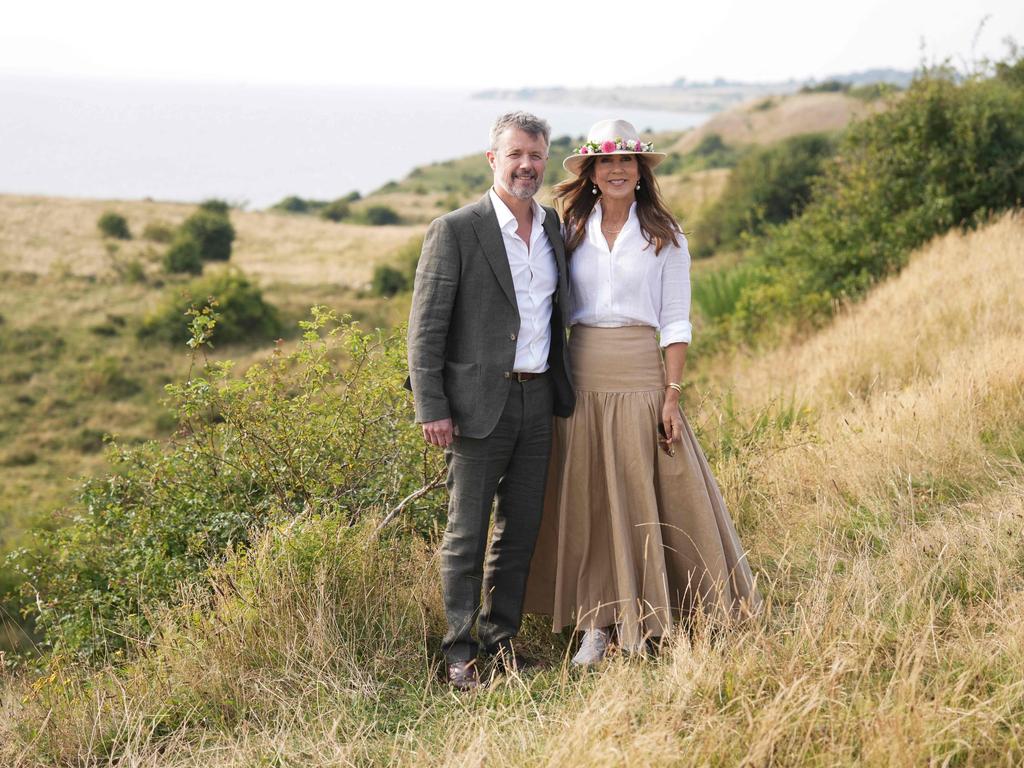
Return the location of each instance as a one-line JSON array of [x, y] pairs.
[[295, 204], [244, 315], [114, 225], [388, 281], [380, 215], [215, 205], [948, 153], [767, 186], [336, 210], [325, 431], [183, 255], [212, 232], [710, 152]]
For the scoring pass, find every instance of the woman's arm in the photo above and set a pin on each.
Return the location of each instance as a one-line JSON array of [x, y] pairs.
[[671, 418], [675, 329]]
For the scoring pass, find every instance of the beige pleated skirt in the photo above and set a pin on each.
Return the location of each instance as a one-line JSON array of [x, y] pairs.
[[631, 537]]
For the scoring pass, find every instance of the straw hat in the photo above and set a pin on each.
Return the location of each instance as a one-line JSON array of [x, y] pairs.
[[612, 137]]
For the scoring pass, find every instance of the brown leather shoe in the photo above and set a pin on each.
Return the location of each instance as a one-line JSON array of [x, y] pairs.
[[462, 675]]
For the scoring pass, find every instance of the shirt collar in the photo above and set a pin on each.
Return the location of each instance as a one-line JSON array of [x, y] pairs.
[[505, 216], [597, 216]]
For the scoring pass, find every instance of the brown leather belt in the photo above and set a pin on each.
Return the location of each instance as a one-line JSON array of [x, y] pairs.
[[522, 376]]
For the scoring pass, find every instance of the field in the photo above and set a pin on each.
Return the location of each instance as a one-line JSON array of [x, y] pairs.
[[874, 472], [73, 370], [226, 597]]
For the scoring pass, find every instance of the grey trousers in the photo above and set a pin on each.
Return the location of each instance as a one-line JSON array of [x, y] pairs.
[[511, 465]]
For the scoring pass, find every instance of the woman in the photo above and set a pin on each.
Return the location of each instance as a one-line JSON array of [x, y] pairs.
[[635, 531]]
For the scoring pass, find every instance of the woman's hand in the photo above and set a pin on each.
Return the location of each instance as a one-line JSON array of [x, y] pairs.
[[672, 417]]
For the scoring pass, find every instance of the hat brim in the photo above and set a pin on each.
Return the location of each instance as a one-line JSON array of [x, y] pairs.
[[573, 163]]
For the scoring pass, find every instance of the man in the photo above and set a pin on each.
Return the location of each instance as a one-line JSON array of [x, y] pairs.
[[488, 368]]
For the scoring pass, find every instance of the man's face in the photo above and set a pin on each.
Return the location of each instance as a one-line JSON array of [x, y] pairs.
[[518, 162]]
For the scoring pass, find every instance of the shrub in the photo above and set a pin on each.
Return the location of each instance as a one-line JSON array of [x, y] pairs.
[[243, 313], [828, 86], [716, 294], [387, 281], [158, 232], [212, 232], [946, 154], [213, 205], [709, 145], [183, 255], [114, 225], [336, 210], [380, 215], [19, 458], [294, 204], [768, 186], [298, 436], [105, 377]]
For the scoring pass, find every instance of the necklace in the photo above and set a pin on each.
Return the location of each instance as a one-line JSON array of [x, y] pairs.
[[611, 231]]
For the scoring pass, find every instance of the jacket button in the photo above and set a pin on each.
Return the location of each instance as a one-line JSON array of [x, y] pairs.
[[512, 336]]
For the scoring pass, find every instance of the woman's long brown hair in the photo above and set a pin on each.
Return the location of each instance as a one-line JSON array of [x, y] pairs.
[[576, 202]]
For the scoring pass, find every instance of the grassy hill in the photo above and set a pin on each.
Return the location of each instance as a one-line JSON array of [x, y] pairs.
[[72, 369], [874, 471], [773, 118]]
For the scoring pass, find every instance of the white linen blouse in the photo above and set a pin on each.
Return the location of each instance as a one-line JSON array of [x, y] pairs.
[[630, 284]]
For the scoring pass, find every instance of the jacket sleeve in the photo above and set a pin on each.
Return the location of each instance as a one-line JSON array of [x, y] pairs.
[[433, 297]]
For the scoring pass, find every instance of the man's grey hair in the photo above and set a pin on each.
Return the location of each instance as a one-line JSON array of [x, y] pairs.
[[524, 121]]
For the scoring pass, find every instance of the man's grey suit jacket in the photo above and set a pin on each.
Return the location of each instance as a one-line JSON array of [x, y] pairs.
[[464, 322]]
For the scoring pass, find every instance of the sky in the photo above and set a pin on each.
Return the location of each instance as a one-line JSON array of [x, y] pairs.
[[473, 44]]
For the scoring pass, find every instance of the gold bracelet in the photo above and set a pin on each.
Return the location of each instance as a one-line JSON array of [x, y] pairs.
[[675, 386]]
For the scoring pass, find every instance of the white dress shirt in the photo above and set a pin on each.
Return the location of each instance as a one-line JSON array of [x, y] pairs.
[[535, 278], [630, 285]]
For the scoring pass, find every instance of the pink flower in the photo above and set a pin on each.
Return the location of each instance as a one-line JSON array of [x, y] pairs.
[[608, 146], [638, 146], [584, 150]]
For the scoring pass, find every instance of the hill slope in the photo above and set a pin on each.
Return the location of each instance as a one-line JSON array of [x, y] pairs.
[[771, 119], [875, 474]]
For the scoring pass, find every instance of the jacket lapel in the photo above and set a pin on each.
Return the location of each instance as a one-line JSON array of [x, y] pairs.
[[489, 233]]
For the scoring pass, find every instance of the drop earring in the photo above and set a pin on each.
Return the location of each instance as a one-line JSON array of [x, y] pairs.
[[593, 190], [638, 185]]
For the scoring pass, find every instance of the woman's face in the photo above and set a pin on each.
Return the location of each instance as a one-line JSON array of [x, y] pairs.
[[616, 176]]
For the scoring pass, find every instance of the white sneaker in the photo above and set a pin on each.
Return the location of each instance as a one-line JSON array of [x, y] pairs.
[[593, 647]]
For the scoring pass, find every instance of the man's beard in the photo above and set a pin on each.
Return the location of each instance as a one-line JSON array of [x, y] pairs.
[[522, 187]]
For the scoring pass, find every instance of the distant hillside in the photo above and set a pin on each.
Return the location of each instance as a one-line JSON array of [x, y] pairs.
[[686, 96], [771, 119], [680, 97]]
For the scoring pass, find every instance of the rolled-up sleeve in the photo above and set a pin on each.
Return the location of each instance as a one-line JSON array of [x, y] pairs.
[[674, 318], [433, 298]]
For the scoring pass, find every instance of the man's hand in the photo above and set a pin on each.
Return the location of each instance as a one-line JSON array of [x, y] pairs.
[[438, 432]]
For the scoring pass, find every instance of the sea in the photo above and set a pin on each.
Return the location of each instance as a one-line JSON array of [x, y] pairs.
[[251, 145]]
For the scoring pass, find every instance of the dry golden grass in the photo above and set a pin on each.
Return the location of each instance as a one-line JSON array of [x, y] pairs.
[[885, 525], [689, 195], [58, 236], [755, 123]]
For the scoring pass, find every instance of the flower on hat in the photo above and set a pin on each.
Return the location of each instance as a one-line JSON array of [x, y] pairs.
[[619, 145]]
